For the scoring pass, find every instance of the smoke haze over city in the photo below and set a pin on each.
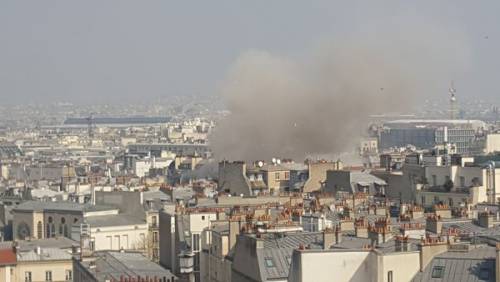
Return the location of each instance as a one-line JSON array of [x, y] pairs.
[[283, 107]]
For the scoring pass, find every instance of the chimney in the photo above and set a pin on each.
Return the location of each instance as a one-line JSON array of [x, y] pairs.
[[497, 263], [434, 224], [429, 248], [338, 235], [328, 238], [234, 231], [402, 244], [259, 243], [361, 228], [485, 219]]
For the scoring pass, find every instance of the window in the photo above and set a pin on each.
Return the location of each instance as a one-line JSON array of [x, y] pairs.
[[389, 276], [39, 230], [462, 181], [437, 272], [423, 200], [484, 274], [287, 175], [110, 242], [48, 275], [269, 262], [277, 176], [155, 237], [69, 275], [117, 242], [142, 240], [27, 276], [125, 241], [202, 217], [196, 242], [154, 221], [197, 263], [51, 228], [434, 180]]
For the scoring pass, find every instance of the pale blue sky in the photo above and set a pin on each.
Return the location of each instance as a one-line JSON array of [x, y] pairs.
[[101, 51]]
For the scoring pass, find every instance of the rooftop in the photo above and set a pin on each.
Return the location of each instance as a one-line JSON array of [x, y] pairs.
[[114, 220], [110, 264], [7, 257], [57, 242], [59, 206], [475, 265], [46, 254]]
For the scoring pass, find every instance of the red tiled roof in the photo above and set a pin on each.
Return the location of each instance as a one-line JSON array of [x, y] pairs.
[[7, 257]]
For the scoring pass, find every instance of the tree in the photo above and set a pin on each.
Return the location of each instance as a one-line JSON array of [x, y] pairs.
[[448, 185]]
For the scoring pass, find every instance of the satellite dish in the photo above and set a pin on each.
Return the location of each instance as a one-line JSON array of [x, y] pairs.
[[260, 163], [278, 161], [274, 160]]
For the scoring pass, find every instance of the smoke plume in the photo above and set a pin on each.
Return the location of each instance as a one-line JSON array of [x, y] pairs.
[[294, 108]]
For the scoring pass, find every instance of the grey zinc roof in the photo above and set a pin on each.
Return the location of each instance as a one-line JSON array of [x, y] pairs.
[[365, 178], [47, 254], [462, 266], [42, 206], [152, 195], [279, 249], [293, 240], [57, 242], [467, 227], [132, 264], [114, 220], [59, 206]]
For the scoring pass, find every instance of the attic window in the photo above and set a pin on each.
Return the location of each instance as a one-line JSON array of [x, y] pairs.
[[484, 274], [269, 262], [438, 272]]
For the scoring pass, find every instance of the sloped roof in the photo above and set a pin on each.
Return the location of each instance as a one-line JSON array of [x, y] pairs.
[[47, 254], [7, 257], [109, 264], [474, 265]]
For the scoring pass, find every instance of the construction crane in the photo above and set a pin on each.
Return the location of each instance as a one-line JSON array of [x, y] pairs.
[[91, 125], [453, 101]]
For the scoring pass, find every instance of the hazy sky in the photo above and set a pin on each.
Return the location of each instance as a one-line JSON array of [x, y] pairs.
[[127, 51]]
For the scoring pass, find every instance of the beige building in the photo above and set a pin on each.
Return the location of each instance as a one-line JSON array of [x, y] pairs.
[[489, 144], [38, 260], [215, 265], [235, 178], [181, 239], [49, 264], [353, 265], [39, 220], [317, 172], [457, 185]]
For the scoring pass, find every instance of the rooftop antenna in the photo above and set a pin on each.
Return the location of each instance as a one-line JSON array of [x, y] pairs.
[[453, 101]]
